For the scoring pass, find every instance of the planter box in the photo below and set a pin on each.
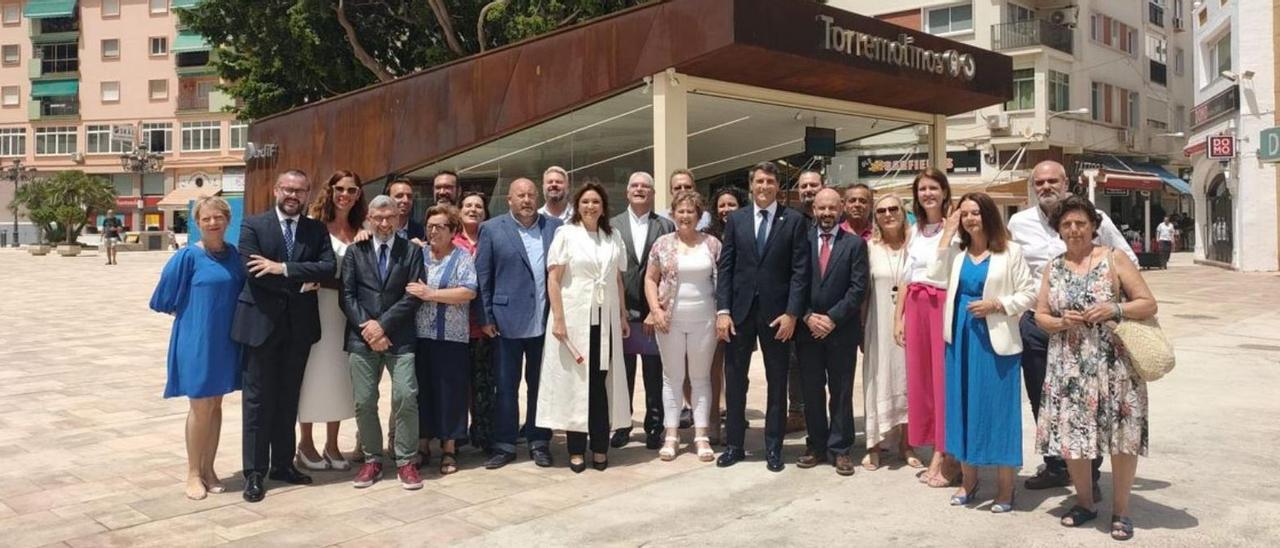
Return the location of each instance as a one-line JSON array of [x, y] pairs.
[[69, 250], [38, 249]]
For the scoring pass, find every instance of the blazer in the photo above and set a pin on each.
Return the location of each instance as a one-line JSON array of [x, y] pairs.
[[633, 278], [365, 296], [507, 290], [1009, 281], [274, 301], [414, 230], [778, 281], [840, 292]]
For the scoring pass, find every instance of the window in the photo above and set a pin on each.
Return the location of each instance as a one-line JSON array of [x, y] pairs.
[[10, 96], [157, 136], [12, 14], [111, 48], [1219, 57], [239, 134], [1059, 91], [1132, 119], [1179, 58], [53, 141], [110, 8], [159, 46], [63, 57], [12, 53], [158, 90], [153, 184], [13, 141], [159, 6], [1114, 105], [1024, 90], [1016, 14], [201, 136], [951, 19], [1112, 33], [111, 92], [97, 140], [1179, 118]]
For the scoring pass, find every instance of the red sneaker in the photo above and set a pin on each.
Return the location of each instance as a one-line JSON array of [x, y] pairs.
[[369, 474], [409, 478]]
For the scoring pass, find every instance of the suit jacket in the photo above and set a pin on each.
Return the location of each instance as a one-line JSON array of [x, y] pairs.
[[508, 293], [366, 297], [1009, 281], [414, 230], [776, 281], [274, 301], [840, 291], [633, 278]]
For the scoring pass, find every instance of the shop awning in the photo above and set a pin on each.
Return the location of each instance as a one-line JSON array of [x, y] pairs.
[[40, 9], [185, 3], [1129, 180], [54, 88], [181, 197], [1173, 181], [189, 41]]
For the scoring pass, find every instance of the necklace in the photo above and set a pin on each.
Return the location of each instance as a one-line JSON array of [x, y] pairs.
[[897, 265], [930, 232]]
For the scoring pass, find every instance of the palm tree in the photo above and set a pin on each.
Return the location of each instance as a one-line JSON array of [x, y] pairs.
[[60, 205]]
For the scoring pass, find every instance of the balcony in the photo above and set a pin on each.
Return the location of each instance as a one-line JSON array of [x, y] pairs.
[[1159, 73], [1155, 14], [192, 102], [55, 29], [1026, 34]]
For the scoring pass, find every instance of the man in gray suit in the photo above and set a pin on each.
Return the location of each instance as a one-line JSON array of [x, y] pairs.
[[639, 227]]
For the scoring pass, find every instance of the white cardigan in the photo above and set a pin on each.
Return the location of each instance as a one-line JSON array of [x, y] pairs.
[[1008, 281]]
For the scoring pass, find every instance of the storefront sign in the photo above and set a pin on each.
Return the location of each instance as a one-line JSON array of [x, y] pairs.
[[961, 162], [1269, 145], [900, 52], [1115, 192], [1221, 147], [1222, 103]]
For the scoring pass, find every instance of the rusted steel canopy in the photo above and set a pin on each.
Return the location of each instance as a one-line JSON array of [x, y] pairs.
[[792, 45]]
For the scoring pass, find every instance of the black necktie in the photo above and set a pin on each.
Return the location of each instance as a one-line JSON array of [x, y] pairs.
[[288, 239], [382, 263], [762, 233]]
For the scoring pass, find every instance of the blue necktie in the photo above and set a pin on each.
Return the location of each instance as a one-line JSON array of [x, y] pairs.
[[382, 263], [288, 239], [762, 232]]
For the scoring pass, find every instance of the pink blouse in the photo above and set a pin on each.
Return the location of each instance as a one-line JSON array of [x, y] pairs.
[[663, 261]]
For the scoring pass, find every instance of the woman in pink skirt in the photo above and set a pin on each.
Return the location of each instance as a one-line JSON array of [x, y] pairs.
[[919, 326]]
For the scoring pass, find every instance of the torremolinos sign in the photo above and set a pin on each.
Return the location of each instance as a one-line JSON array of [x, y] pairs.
[[901, 52]]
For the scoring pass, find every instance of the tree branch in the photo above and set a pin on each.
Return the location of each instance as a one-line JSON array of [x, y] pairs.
[[484, 12], [570, 18], [446, 26], [361, 55]]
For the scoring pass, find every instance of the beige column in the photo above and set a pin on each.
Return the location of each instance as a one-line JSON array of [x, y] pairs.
[[670, 132], [938, 142]]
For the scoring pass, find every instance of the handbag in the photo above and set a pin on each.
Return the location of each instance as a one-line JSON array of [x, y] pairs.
[[1143, 341]]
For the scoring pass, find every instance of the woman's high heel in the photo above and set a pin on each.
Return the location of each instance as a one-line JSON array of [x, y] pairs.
[[969, 496], [578, 467]]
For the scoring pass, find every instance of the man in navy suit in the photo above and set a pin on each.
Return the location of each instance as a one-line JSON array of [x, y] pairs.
[[401, 190], [278, 322], [511, 265], [827, 339], [760, 294]]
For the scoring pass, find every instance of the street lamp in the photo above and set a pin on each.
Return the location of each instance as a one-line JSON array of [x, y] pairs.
[[141, 161], [17, 173]]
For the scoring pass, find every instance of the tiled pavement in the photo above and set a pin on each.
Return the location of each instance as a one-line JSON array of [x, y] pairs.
[[91, 455]]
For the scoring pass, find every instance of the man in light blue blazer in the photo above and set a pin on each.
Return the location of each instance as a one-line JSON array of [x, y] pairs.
[[511, 265]]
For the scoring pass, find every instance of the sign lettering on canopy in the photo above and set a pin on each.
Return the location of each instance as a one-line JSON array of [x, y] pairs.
[[1269, 145]]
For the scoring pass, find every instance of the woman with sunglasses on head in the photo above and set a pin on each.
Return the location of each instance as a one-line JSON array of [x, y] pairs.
[[475, 210]]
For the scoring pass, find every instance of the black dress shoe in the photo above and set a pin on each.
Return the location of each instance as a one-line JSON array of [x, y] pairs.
[[541, 456], [578, 467], [653, 440], [600, 465], [254, 490], [686, 418], [773, 460], [1048, 478], [731, 456], [290, 475], [620, 439], [499, 459]]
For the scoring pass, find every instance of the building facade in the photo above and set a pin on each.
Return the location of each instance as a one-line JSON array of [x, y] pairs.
[[76, 72], [1102, 86], [1235, 87]]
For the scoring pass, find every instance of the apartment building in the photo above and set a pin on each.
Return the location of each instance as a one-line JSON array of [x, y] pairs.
[[1102, 86], [75, 72], [1235, 189]]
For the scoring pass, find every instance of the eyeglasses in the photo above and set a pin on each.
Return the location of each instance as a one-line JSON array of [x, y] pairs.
[[352, 190], [890, 209], [290, 191], [434, 226]]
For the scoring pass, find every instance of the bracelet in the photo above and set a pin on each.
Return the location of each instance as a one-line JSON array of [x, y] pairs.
[[1119, 313]]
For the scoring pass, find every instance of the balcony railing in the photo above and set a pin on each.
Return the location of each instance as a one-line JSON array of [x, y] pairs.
[[1155, 14], [1159, 73], [193, 102], [1024, 34], [53, 66], [60, 106]]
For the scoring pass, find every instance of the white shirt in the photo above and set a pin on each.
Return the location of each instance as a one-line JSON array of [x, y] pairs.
[[565, 216], [284, 233], [1040, 242], [922, 250], [755, 221], [1164, 232], [639, 232]]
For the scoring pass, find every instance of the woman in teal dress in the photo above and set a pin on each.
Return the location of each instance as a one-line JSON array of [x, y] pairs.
[[198, 287], [989, 287]]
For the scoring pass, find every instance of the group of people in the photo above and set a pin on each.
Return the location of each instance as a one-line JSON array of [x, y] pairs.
[[952, 313]]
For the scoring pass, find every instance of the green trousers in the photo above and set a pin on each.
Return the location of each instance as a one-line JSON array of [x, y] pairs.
[[366, 374]]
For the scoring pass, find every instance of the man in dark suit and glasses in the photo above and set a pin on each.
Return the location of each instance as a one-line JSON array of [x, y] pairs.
[[381, 333], [278, 321], [760, 294], [827, 340]]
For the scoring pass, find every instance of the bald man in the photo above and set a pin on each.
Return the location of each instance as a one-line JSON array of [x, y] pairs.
[[1040, 243]]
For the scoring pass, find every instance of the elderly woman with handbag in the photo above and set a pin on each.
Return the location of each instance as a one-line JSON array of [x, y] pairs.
[[1094, 401]]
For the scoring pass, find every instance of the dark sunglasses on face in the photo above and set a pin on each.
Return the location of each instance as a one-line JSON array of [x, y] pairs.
[[346, 190], [890, 209]]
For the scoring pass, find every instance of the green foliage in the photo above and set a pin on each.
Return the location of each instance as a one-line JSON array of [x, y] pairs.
[[60, 205]]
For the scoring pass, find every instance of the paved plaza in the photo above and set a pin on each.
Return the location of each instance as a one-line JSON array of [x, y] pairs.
[[93, 456]]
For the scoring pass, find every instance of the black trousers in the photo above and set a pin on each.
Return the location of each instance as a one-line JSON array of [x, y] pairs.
[[651, 372], [597, 406], [827, 366], [1035, 357], [443, 369], [737, 364], [271, 382]]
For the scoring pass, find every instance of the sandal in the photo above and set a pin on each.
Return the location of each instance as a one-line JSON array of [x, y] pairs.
[[1077, 516], [871, 461], [911, 458], [940, 481], [705, 453], [448, 464], [1121, 528], [668, 451]]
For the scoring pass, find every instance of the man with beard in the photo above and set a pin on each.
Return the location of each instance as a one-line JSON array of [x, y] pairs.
[[555, 190], [1040, 243], [444, 188], [278, 322], [807, 185], [857, 210], [401, 190]]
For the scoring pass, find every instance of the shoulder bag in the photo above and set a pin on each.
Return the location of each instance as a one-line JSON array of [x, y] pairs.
[[1143, 341]]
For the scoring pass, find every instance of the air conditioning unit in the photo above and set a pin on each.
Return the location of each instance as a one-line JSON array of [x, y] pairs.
[[1127, 137], [77, 157], [998, 122], [1063, 17]]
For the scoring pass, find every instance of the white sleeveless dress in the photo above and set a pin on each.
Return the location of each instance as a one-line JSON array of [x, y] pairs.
[[327, 395]]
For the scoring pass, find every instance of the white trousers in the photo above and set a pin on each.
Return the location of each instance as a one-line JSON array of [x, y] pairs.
[[696, 341]]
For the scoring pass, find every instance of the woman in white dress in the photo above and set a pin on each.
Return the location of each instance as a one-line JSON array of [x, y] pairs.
[[327, 395], [884, 377]]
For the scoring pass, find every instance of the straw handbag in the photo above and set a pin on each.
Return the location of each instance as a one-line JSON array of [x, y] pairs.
[[1143, 341]]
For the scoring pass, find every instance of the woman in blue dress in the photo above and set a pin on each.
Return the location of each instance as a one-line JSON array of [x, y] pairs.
[[198, 287], [989, 287]]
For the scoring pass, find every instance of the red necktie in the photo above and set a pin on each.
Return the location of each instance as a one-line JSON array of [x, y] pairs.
[[824, 254]]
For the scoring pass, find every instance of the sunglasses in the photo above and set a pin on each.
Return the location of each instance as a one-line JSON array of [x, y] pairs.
[[890, 209], [346, 190]]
